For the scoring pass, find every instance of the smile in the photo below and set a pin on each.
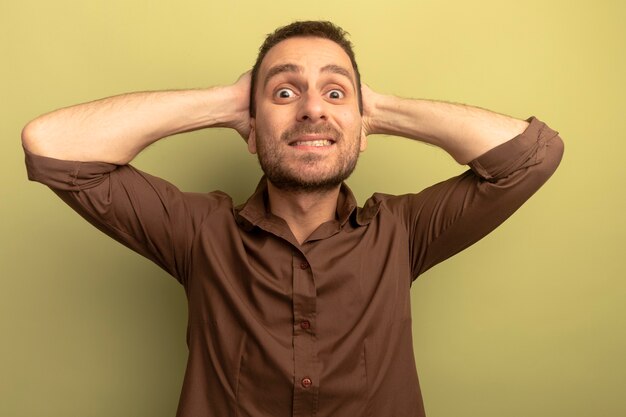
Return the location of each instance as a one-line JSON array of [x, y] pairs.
[[316, 143]]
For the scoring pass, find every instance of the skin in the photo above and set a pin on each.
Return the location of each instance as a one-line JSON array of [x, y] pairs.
[[315, 100], [306, 94]]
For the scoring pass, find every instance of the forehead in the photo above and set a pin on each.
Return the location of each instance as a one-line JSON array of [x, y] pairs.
[[310, 53]]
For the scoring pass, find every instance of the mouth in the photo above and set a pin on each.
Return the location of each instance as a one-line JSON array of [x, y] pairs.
[[312, 141]]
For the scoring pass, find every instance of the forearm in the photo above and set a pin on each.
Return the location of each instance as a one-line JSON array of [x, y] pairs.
[[116, 129], [464, 132]]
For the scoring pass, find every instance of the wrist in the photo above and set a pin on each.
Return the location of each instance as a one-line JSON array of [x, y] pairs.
[[234, 109], [380, 114], [218, 106], [371, 111]]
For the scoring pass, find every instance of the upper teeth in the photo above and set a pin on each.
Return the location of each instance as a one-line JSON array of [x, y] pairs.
[[323, 142]]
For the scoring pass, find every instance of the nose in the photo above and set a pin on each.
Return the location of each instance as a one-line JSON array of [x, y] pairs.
[[312, 108]]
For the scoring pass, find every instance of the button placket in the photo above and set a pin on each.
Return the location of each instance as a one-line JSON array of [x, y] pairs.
[[306, 382], [306, 363]]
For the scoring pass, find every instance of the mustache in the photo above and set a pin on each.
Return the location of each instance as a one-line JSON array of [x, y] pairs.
[[305, 129]]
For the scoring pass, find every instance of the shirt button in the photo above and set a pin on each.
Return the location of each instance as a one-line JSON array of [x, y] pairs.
[[305, 324], [304, 265], [306, 382]]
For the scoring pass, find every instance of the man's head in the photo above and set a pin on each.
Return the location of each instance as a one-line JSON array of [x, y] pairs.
[[306, 112], [311, 28]]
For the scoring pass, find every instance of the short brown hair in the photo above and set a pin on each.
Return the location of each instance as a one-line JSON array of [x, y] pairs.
[[309, 28]]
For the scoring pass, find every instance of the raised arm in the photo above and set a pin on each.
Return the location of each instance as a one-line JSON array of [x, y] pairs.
[[116, 129], [464, 132], [509, 161]]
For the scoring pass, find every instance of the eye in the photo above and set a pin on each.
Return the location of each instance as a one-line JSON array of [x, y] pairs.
[[284, 93], [335, 94]]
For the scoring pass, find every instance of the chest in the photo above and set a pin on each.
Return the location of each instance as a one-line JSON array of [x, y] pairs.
[[353, 274]]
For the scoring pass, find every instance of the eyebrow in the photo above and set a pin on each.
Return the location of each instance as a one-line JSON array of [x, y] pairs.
[[337, 69], [279, 69], [332, 68]]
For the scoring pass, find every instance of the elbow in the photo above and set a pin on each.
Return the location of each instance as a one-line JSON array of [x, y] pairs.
[[556, 148], [39, 138], [550, 161], [32, 137], [560, 146]]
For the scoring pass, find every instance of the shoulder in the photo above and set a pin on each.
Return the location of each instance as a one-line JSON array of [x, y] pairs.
[[202, 204], [382, 204]]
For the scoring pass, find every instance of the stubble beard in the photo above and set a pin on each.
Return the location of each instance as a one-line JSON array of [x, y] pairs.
[[273, 163]]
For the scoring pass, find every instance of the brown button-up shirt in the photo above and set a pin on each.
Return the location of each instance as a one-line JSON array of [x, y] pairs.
[[318, 329]]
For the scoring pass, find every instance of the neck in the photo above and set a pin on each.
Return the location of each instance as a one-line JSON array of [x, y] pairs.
[[303, 211]]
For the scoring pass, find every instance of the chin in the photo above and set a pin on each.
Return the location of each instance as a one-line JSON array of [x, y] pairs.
[[312, 183]]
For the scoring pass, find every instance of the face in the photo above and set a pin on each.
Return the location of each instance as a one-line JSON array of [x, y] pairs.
[[308, 130]]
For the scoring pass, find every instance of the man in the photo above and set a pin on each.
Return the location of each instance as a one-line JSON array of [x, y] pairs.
[[298, 300]]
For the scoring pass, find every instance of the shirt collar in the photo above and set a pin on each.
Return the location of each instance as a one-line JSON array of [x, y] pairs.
[[255, 211]]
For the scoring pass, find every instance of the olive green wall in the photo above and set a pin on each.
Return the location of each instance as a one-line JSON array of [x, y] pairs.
[[529, 322]]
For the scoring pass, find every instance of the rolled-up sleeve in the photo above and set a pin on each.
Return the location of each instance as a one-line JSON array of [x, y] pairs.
[[448, 217], [145, 213]]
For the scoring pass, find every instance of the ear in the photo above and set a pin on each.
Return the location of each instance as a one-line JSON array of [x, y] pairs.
[[363, 143], [252, 136]]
